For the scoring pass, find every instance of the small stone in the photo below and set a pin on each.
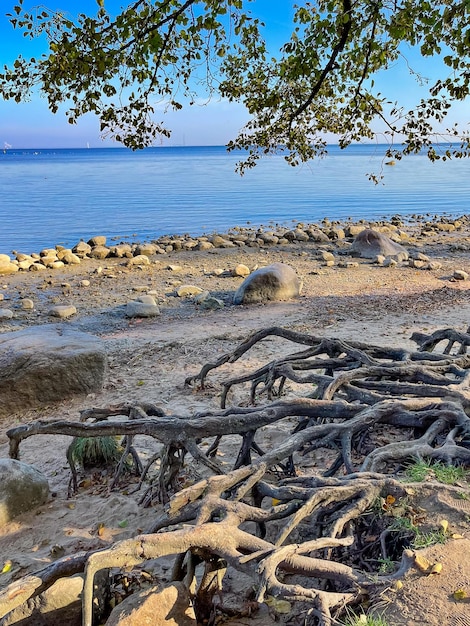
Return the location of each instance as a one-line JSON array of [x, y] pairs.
[[380, 259], [6, 314], [175, 268], [188, 290], [100, 252], [137, 308], [460, 275], [99, 240], [434, 265], [84, 283], [205, 245], [241, 270], [27, 304], [37, 267], [2, 297], [390, 262], [62, 310], [140, 259], [327, 256], [212, 303]]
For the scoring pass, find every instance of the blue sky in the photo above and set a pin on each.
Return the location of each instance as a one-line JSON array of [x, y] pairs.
[[31, 125]]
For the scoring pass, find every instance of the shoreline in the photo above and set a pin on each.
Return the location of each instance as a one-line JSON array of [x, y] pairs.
[[398, 227]]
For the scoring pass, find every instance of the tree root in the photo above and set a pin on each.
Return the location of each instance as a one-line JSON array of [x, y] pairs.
[[303, 524]]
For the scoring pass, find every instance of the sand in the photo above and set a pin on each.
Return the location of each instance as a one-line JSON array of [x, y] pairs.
[[150, 358]]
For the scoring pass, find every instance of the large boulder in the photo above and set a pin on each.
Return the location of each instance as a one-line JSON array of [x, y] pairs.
[[273, 282], [370, 243], [45, 364], [23, 488]]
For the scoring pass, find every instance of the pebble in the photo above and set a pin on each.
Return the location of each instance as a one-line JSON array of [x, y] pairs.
[[460, 275], [145, 306], [241, 270], [62, 310], [188, 290], [84, 283], [6, 314], [27, 304]]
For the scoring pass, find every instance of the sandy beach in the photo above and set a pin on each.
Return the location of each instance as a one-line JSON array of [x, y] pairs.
[[149, 359]]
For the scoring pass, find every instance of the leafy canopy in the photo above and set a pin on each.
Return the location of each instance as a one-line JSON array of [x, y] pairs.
[[168, 52]]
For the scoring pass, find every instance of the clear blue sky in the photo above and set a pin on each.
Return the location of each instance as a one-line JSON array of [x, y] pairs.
[[31, 125]]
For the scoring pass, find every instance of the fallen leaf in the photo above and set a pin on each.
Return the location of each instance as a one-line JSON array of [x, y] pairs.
[[436, 568], [444, 524], [397, 585], [422, 563], [123, 523], [6, 567], [460, 594]]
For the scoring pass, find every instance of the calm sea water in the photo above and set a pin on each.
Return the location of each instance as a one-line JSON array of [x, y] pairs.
[[61, 196]]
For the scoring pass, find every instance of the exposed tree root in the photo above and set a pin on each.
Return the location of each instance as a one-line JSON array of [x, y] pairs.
[[304, 524]]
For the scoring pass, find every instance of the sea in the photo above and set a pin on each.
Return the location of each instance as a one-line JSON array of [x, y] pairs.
[[61, 196]]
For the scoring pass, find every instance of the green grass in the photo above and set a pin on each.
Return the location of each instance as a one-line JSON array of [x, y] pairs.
[[364, 620], [448, 474], [95, 451], [421, 539]]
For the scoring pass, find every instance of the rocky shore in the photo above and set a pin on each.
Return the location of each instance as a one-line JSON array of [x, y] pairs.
[[181, 276]]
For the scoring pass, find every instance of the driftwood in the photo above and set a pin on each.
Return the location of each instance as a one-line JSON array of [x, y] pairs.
[[358, 392]]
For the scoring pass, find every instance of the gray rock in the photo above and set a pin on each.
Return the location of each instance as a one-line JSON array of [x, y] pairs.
[[6, 314], [370, 243], [241, 270], [62, 310], [27, 304], [273, 282], [144, 306], [23, 489], [44, 364]]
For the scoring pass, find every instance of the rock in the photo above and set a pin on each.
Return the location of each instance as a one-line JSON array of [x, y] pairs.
[[460, 275], [84, 283], [147, 249], [241, 270], [121, 250], [6, 265], [100, 252], [140, 259], [273, 282], [327, 256], [206, 301], [221, 242], [6, 314], [434, 265], [37, 267], [58, 605], [145, 306], [67, 256], [45, 364], [99, 240], [62, 310], [27, 304], [205, 245], [370, 243], [188, 290], [81, 249], [170, 606], [23, 489]]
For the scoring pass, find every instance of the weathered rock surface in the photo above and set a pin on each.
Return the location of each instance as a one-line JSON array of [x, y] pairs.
[[145, 306], [23, 489], [370, 243], [170, 606], [44, 364], [273, 282]]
